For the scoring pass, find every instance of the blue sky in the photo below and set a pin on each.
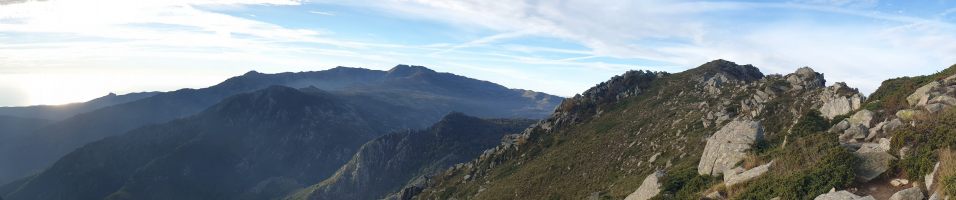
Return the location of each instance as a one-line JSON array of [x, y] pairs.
[[60, 51]]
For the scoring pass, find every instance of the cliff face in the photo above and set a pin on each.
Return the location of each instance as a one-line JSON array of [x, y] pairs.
[[606, 142]]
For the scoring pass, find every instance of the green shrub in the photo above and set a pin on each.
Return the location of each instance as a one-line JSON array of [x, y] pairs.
[[684, 183], [810, 166], [924, 139], [810, 122]]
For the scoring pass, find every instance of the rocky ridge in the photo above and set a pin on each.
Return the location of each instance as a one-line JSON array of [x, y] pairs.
[[724, 94]]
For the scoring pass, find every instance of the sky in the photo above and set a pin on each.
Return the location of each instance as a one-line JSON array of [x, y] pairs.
[[61, 51]]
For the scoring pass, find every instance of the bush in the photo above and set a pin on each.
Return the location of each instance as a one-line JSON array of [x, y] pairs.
[[924, 139], [810, 167], [810, 122], [684, 183]]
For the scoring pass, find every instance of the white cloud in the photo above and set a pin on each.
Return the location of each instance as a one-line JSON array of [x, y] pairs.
[[875, 47], [322, 13]]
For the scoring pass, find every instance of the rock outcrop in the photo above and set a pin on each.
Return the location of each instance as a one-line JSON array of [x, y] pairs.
[[805, 78], [649, 188], [935, 96], [739, 175], [729, 146], [842, 195], [914, 193], [840, 99]]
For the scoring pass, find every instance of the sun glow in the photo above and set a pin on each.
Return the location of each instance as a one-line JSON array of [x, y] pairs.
[[62, 87], [55, 89]]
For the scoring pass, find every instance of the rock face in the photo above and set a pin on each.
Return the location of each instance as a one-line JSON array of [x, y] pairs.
[[389, 162], [728, 146], [805, 78], [842, 195], [913, 193], [649, 188], [738, 175], [873, 164], [839, 99]]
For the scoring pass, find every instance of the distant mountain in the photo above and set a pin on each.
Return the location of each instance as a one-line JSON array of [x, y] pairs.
[[12, 127], [251, 146], [386, 164], [423, 94], [60, 112]]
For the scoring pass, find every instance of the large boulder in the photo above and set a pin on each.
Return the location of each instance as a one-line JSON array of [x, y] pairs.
[[855, 133], [882, 146], [839, 99], [914, 193], [907, 114], [840, 127], [873, 163], [921, 96], [649, 188], [862, 117], [841, 195], [739, 175], [728, 146]]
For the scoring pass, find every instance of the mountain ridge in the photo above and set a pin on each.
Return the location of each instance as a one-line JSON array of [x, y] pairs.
[[47, 143]]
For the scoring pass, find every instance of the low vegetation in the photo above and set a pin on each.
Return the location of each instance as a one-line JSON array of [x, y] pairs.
[[947, 171], [923, 140], [683, 182], [811, 165]]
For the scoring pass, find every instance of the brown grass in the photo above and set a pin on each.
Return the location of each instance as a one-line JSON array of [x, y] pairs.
[[947, 171]]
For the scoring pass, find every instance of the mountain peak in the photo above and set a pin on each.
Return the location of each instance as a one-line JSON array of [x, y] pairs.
[[251, 72], [742, 72], [457, 116], [408, 70]]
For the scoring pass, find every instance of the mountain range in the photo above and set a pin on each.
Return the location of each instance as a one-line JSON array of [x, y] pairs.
[[721, 130], [421, 93]]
